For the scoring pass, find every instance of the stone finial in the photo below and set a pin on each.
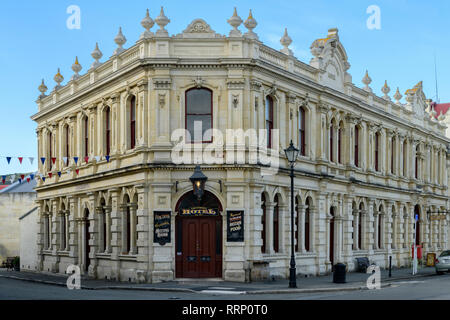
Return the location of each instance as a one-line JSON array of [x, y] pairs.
[[147, 23], [42, 89], [441, 117], [120, 41], [367, 80], [386, 91], [76, 67], [58, 79], [286, 42], [235, 21], [398, 96], [97, 55], [251, 24], [162, 21]]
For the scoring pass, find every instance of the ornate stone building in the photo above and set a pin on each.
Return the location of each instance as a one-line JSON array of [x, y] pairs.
[[367, 164]]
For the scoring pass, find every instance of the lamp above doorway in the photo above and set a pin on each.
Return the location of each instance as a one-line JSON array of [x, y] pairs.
[[198, 180]]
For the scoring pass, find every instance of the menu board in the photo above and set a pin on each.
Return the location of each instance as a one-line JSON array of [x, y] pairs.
[[235, 226], [161, 232]]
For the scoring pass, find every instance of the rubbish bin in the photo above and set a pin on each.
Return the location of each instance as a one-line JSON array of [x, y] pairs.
[[339, 273]]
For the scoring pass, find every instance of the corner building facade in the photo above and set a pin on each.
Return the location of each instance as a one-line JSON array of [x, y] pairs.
[[367, 165]]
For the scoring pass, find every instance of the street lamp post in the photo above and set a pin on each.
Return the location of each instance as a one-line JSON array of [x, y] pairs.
[[291, 155]]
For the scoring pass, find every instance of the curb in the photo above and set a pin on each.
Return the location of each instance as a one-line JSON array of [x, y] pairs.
[[362, 286]]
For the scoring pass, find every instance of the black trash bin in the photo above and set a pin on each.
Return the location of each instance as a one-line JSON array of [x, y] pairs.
[[339, 273]]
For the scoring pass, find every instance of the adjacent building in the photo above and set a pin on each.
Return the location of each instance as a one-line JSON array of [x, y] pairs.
[[123, 205]]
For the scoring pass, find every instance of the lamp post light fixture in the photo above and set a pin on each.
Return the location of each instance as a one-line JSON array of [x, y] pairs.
[[198, 180], [292, 155]]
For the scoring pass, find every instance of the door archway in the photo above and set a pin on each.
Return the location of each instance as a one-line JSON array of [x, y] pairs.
[[198, 236]]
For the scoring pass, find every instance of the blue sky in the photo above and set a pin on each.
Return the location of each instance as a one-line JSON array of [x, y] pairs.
[[36, 41]]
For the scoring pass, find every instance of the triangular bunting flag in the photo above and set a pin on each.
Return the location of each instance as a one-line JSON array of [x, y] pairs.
[[107, 158], [13, 178], [32, 176], [86, 159], [43, 179], [28, 180], [20, 159], [77, 171], [22, 176], [43, 161], [8, 159], [50, 175], [53, 160], [31, 160], [65, 160], [20, 181], [97, 158], [3, 179], [75, 159], [59, 174]]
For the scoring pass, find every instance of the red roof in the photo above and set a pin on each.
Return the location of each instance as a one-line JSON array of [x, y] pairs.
[[441, 108]]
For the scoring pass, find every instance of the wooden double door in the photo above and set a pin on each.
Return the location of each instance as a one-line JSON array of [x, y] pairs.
[[199, 247]]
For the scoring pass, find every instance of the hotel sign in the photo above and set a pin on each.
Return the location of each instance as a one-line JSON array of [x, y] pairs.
[[209, 212]]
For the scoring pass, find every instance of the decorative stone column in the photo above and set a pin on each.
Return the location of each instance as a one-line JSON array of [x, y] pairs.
[[301, 228], [107, 213], [133, 225], [142, 233], [369, 239], [254, 224], [269, 227]]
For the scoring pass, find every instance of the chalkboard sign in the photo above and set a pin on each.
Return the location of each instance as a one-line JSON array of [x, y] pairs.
[[161, 233], [235, 226]]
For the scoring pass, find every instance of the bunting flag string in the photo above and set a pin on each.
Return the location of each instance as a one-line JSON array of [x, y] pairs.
[[53, 160]]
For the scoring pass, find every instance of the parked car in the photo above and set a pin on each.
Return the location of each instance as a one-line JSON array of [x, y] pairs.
[[443, 262]]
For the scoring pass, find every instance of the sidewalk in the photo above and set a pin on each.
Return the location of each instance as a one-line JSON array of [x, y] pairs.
[[355, 281]]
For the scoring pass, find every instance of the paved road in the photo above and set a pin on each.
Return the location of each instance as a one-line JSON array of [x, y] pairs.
[[436, 288]]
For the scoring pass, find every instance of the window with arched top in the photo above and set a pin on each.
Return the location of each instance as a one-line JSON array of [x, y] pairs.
[[269, 120], [199, 110], [302, 131], [405, 158], [132, 124], [331, 142], [107, 130], [276, 214], [377, 151], [307, 226], [86, 136], [356, 147], [50, 150], [339, 142], [263, 222], [416, 165], [66, 144]]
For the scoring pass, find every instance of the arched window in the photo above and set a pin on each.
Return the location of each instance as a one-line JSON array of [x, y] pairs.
[[360, 225], [276, 212], [393, 145], [331, 142], [199, 115], [67, 144], [380, 228], [269, 120], [107, 131], [307, 224], [339, 146], [50, 150], [48, 238], [356, 146], [416, 165], [63, 232], [263, 222], [301, 131], [405, 158], [377, 149], [86, 136], [132, 122]]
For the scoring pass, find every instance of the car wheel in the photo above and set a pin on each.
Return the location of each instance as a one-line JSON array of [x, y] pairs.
[[439, 272]]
